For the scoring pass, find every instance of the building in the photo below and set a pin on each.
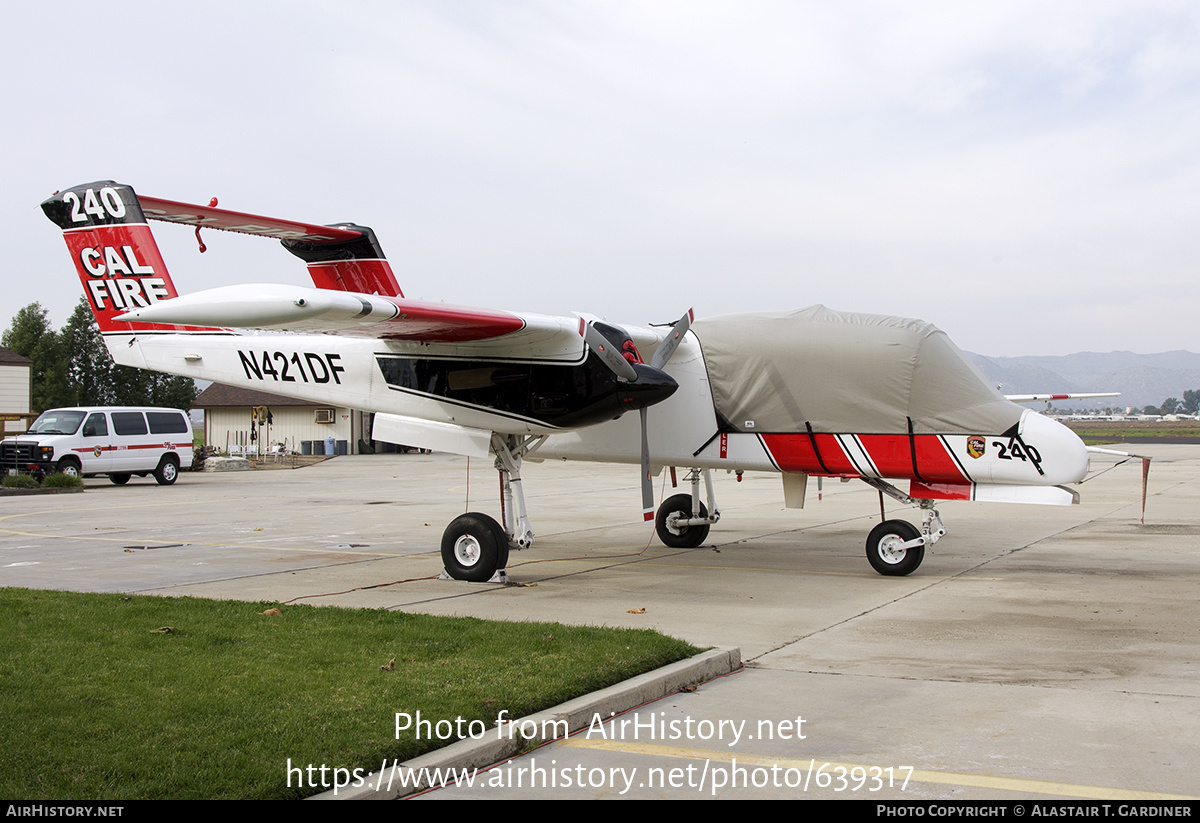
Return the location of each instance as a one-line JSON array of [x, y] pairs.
[[233, 423], [16, 388]]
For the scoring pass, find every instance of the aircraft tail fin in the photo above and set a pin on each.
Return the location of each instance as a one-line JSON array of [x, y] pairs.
[[340, 257], [115, 254], [356, 265]]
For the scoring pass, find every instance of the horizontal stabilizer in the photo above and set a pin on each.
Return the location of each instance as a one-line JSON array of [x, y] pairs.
[[1029, 398], [210, 217]]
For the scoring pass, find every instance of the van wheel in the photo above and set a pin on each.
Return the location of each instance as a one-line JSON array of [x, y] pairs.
[[167, 471], [120, 478], [70, 467]]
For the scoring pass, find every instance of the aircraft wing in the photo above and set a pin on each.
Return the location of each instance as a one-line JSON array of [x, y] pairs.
[[356, 295], [1029, 398], [277, 307]]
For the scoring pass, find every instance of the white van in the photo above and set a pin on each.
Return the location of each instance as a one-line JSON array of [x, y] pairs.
[[117, 441]]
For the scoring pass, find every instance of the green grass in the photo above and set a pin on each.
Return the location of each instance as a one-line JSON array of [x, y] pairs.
[[96, 703], [1098, 432]]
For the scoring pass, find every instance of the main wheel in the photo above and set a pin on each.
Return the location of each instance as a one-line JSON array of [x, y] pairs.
[[884, 552], [674, 535], [167, 471], [70, 467], [473, 547], [120, 478], [501, 539]]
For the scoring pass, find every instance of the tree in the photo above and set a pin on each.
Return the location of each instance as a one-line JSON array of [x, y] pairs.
[[77, 370], [89, 365], [32, 336], [1191, 401], [1170, 405], [137, 387]]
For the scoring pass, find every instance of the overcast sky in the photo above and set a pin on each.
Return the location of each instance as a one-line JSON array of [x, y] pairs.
[[1025, 175]]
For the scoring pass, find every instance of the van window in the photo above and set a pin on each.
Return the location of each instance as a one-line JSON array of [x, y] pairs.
[[126, 423], [96, 425], [166, 423], [57, 422]]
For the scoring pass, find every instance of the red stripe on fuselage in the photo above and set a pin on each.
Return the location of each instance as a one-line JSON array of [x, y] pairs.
[[794, 453], [891, 454], [893, 457]]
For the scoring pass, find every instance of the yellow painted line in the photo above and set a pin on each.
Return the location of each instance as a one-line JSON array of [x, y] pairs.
[[1008, 784]]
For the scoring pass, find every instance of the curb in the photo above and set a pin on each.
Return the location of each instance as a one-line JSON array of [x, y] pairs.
[[577, 713], [23, 492]]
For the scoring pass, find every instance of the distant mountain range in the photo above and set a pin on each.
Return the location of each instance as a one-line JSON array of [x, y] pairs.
[[1142, 379]]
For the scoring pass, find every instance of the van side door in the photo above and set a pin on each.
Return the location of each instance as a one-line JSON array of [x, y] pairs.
[[95, 444], [131, 443]]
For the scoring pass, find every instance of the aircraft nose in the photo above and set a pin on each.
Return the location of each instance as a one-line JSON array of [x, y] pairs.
[[1064, 456], [652, 386]]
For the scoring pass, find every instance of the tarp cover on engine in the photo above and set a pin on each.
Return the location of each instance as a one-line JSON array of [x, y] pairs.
[[845, 373]]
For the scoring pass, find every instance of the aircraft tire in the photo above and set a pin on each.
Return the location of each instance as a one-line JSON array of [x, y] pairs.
[[680, 537], [502, 540], [473, 546], [882, 555], [120, 478]]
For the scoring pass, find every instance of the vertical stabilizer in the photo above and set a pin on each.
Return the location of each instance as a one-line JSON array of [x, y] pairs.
[[356, 265], [115, 254]]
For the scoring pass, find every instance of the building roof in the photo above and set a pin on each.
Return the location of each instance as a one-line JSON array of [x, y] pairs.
[[11, 358], [218, 395]]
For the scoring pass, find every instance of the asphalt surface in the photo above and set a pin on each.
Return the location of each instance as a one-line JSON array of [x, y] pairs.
[[1039, 652]]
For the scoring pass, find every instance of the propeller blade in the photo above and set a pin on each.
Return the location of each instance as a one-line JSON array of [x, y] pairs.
[[609, 353], [674, 338], [647, 481]]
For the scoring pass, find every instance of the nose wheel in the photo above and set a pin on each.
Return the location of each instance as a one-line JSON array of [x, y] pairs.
[[895, 548]]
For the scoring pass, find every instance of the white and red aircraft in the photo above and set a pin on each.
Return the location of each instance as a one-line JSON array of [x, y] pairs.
[[801, 393]]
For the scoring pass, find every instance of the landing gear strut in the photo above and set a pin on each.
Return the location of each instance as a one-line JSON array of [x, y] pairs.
[[683, 521], [896, 547], [475, 546]]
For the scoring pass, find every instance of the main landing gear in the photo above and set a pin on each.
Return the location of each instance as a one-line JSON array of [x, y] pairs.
[[683, 521], [475, 546]]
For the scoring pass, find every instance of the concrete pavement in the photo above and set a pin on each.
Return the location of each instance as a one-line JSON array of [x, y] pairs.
[[1038, 652]]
